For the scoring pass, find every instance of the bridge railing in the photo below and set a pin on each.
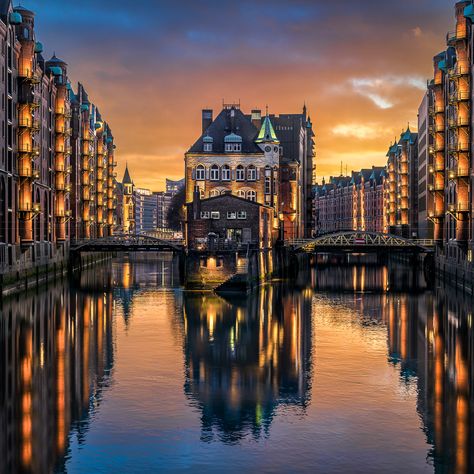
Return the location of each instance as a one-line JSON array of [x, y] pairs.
[[344, 239]]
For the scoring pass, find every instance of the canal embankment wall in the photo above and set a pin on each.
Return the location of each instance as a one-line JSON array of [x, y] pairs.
[[455, 271], [40, 264]]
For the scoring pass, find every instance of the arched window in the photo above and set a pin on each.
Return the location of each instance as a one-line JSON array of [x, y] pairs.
[[240, 173], [214, 193], [200, 173], [251, 173], [252, 195], [241, 193], [225, 173], [214, 173]]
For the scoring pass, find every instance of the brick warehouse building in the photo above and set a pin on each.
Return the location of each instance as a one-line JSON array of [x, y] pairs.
[[230, 220], [353, 202], [56, 157], [451, 160], [268, 160]]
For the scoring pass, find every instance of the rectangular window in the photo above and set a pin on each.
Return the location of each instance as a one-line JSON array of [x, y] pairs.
[[231, 215], [215, 215], [205, 215], [242, 215]]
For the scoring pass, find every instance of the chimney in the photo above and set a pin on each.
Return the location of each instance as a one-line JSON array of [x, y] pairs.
[[206, 119], [257, 118], [196, 203]]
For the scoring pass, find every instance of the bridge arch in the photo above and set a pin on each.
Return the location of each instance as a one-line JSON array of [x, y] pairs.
[[360, 241]]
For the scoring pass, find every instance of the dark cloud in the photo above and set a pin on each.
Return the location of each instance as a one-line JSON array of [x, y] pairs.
[[151, 65]]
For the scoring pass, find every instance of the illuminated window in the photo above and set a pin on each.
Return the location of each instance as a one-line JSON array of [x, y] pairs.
[[225, 173], [240, 173], [241, 193], [252, 196], [214, 173], [200, 173]]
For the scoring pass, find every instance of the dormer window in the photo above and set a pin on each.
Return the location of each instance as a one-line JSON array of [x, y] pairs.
[[233, 143], [207, 142]]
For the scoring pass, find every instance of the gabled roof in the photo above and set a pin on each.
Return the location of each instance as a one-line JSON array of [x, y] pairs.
[[230, 120], [267, 132]]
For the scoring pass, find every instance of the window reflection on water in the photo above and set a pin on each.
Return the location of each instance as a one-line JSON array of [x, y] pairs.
[[245, 359]]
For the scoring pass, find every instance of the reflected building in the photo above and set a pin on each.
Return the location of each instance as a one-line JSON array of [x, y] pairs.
[[374, 278], [431, 340], [246, 358], [57, 354]]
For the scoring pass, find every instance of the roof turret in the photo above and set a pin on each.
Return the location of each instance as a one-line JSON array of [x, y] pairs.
[[267, 132], [126, 177]]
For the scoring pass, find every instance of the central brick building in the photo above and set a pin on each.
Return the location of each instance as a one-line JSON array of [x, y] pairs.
[[267, 160]]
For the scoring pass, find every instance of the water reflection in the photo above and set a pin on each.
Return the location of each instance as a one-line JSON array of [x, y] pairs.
[[247, 363], [368, 278], [57, 354], [246, 358]]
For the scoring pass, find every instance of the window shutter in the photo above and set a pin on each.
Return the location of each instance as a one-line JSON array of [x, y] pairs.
[[207, 173], [193, 173], [233, 175], [258, 174]]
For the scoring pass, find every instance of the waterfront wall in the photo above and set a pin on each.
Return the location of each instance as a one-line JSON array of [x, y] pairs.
[[40, 263], [21, 269], [455, 271]]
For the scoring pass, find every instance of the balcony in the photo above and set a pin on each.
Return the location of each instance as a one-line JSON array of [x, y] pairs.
[[458, 35], [29, 123], [28, 172], [62, 214], [458, 207], [459, 71], [459, 147], [28, 148], [437, 187], [35, 208], [459, 122], [460, 96]]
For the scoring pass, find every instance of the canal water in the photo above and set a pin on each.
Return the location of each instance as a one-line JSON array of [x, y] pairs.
[[354, 369]]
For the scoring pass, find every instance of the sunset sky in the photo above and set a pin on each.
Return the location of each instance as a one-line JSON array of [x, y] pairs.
[[152, 65]]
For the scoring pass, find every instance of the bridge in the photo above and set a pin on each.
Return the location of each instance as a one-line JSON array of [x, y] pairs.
[[360, 242], [127, 243]]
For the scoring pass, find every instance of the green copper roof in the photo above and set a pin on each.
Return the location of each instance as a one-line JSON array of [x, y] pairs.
[[38, 47], [56, 71], [15, 18], [469, 12], [267, 132], [407, 135], [442, 65]]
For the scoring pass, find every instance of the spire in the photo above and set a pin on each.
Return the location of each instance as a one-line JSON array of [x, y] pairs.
[[267, 132], [304, 109], [126, 176]]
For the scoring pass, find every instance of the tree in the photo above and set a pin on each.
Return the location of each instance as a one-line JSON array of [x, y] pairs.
[[175, 215]]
